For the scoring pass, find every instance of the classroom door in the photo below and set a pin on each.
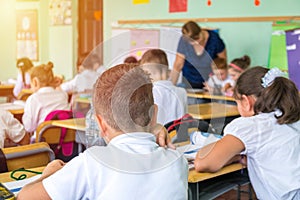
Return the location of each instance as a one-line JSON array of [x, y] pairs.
[[90, 27]]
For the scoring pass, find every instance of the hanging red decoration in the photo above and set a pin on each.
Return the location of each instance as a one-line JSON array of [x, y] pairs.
[[209, 2], [257, 2]]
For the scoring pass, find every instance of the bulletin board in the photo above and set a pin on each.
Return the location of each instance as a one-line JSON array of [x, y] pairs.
[[132, 42], [278, 54], [293, 55], [60, 12], [27, 34]]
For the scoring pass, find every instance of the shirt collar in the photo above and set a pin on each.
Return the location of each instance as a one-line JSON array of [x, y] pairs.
[[137, 142], [45, 89]]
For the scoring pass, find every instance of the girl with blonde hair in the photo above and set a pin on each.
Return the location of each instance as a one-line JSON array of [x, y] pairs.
[[45, 98]]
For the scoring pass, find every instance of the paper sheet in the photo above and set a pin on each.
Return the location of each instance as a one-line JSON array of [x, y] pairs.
[[16, 186]]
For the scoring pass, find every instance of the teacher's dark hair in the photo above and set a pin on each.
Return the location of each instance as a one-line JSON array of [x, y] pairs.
[[191, 29], [282, 94]]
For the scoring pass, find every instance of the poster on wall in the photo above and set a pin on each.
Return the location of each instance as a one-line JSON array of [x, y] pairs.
[[293, 52], [177, 6], [142, 40], [140, 1], [60, 12], [27, 34]]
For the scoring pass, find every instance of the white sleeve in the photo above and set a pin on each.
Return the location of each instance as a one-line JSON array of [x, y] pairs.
[[243, 128], [69, 86], [70, 182], [210, 82], [15, 130], [30, 119], [18, 86]]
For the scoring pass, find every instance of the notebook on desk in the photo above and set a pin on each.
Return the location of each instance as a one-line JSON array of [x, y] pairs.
[[16, 186]]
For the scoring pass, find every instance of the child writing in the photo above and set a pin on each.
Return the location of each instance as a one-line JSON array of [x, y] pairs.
[[12, 131], [220, 77], [83, 82], [45, 98], [23, 78], [235, 68], [171, 100], [268, 133], [131, 162]]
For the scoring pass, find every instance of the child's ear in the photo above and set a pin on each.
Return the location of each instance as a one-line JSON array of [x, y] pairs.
[[35, 82], [102, 125], [248, 103], [154, 115]]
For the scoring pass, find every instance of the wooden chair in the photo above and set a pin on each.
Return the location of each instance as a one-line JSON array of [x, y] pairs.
[[47, 132], [28, 156]]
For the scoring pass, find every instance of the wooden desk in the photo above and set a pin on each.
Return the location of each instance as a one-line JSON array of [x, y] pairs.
[[7, 91], [82, 100], [76, 123], [5, 177], [212, 110], [207, 95], [15, 109]]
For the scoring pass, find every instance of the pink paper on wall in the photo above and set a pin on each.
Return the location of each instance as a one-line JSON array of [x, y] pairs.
[[142, 40], [140, 1], [177, 6]]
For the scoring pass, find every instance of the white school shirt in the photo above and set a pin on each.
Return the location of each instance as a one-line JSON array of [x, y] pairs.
[[10, 128], [219, 82], [273, 153], [131, 166], [19, 83], [81, 82], [40, 104], [171, 101]]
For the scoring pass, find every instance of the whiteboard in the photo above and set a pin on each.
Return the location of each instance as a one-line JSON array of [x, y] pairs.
[[169, 38]]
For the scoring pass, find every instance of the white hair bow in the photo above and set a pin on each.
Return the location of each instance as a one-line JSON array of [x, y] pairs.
[[269, 77]]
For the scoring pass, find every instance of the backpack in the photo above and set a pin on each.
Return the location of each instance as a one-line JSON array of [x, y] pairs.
[[64, 150], [181, 126]]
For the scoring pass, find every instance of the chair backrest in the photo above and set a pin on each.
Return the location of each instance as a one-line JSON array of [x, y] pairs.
[[179, 129], [28, 156], [61, 140], [46, 132]]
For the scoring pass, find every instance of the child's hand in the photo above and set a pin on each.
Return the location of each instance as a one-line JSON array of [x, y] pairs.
[[162, 136], [52, 167], [207, 87]]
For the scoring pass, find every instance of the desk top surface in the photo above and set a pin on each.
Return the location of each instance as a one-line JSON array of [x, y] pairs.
[[12, 108], [193, 175], [7, 86], [207, 95], [212, 110], [76, 123]]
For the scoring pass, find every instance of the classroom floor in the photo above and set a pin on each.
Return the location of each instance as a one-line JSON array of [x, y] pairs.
[[232, 195]]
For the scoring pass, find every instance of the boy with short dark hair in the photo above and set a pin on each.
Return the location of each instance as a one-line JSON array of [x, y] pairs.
[[132, 165]]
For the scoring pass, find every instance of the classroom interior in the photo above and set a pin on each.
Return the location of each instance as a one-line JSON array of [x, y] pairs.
[[246, 28]]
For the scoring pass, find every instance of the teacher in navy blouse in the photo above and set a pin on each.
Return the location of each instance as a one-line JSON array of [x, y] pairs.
[[196, 50]]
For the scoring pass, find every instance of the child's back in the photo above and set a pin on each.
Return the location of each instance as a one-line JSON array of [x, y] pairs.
[[84, 81], [171, 100], [45, 98]]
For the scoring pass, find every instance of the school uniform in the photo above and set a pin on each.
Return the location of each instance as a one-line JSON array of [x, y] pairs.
[[171, 101], [132, 166], [40, 104], [215, 82], [10, 128], [273, 154], [81, 82]]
